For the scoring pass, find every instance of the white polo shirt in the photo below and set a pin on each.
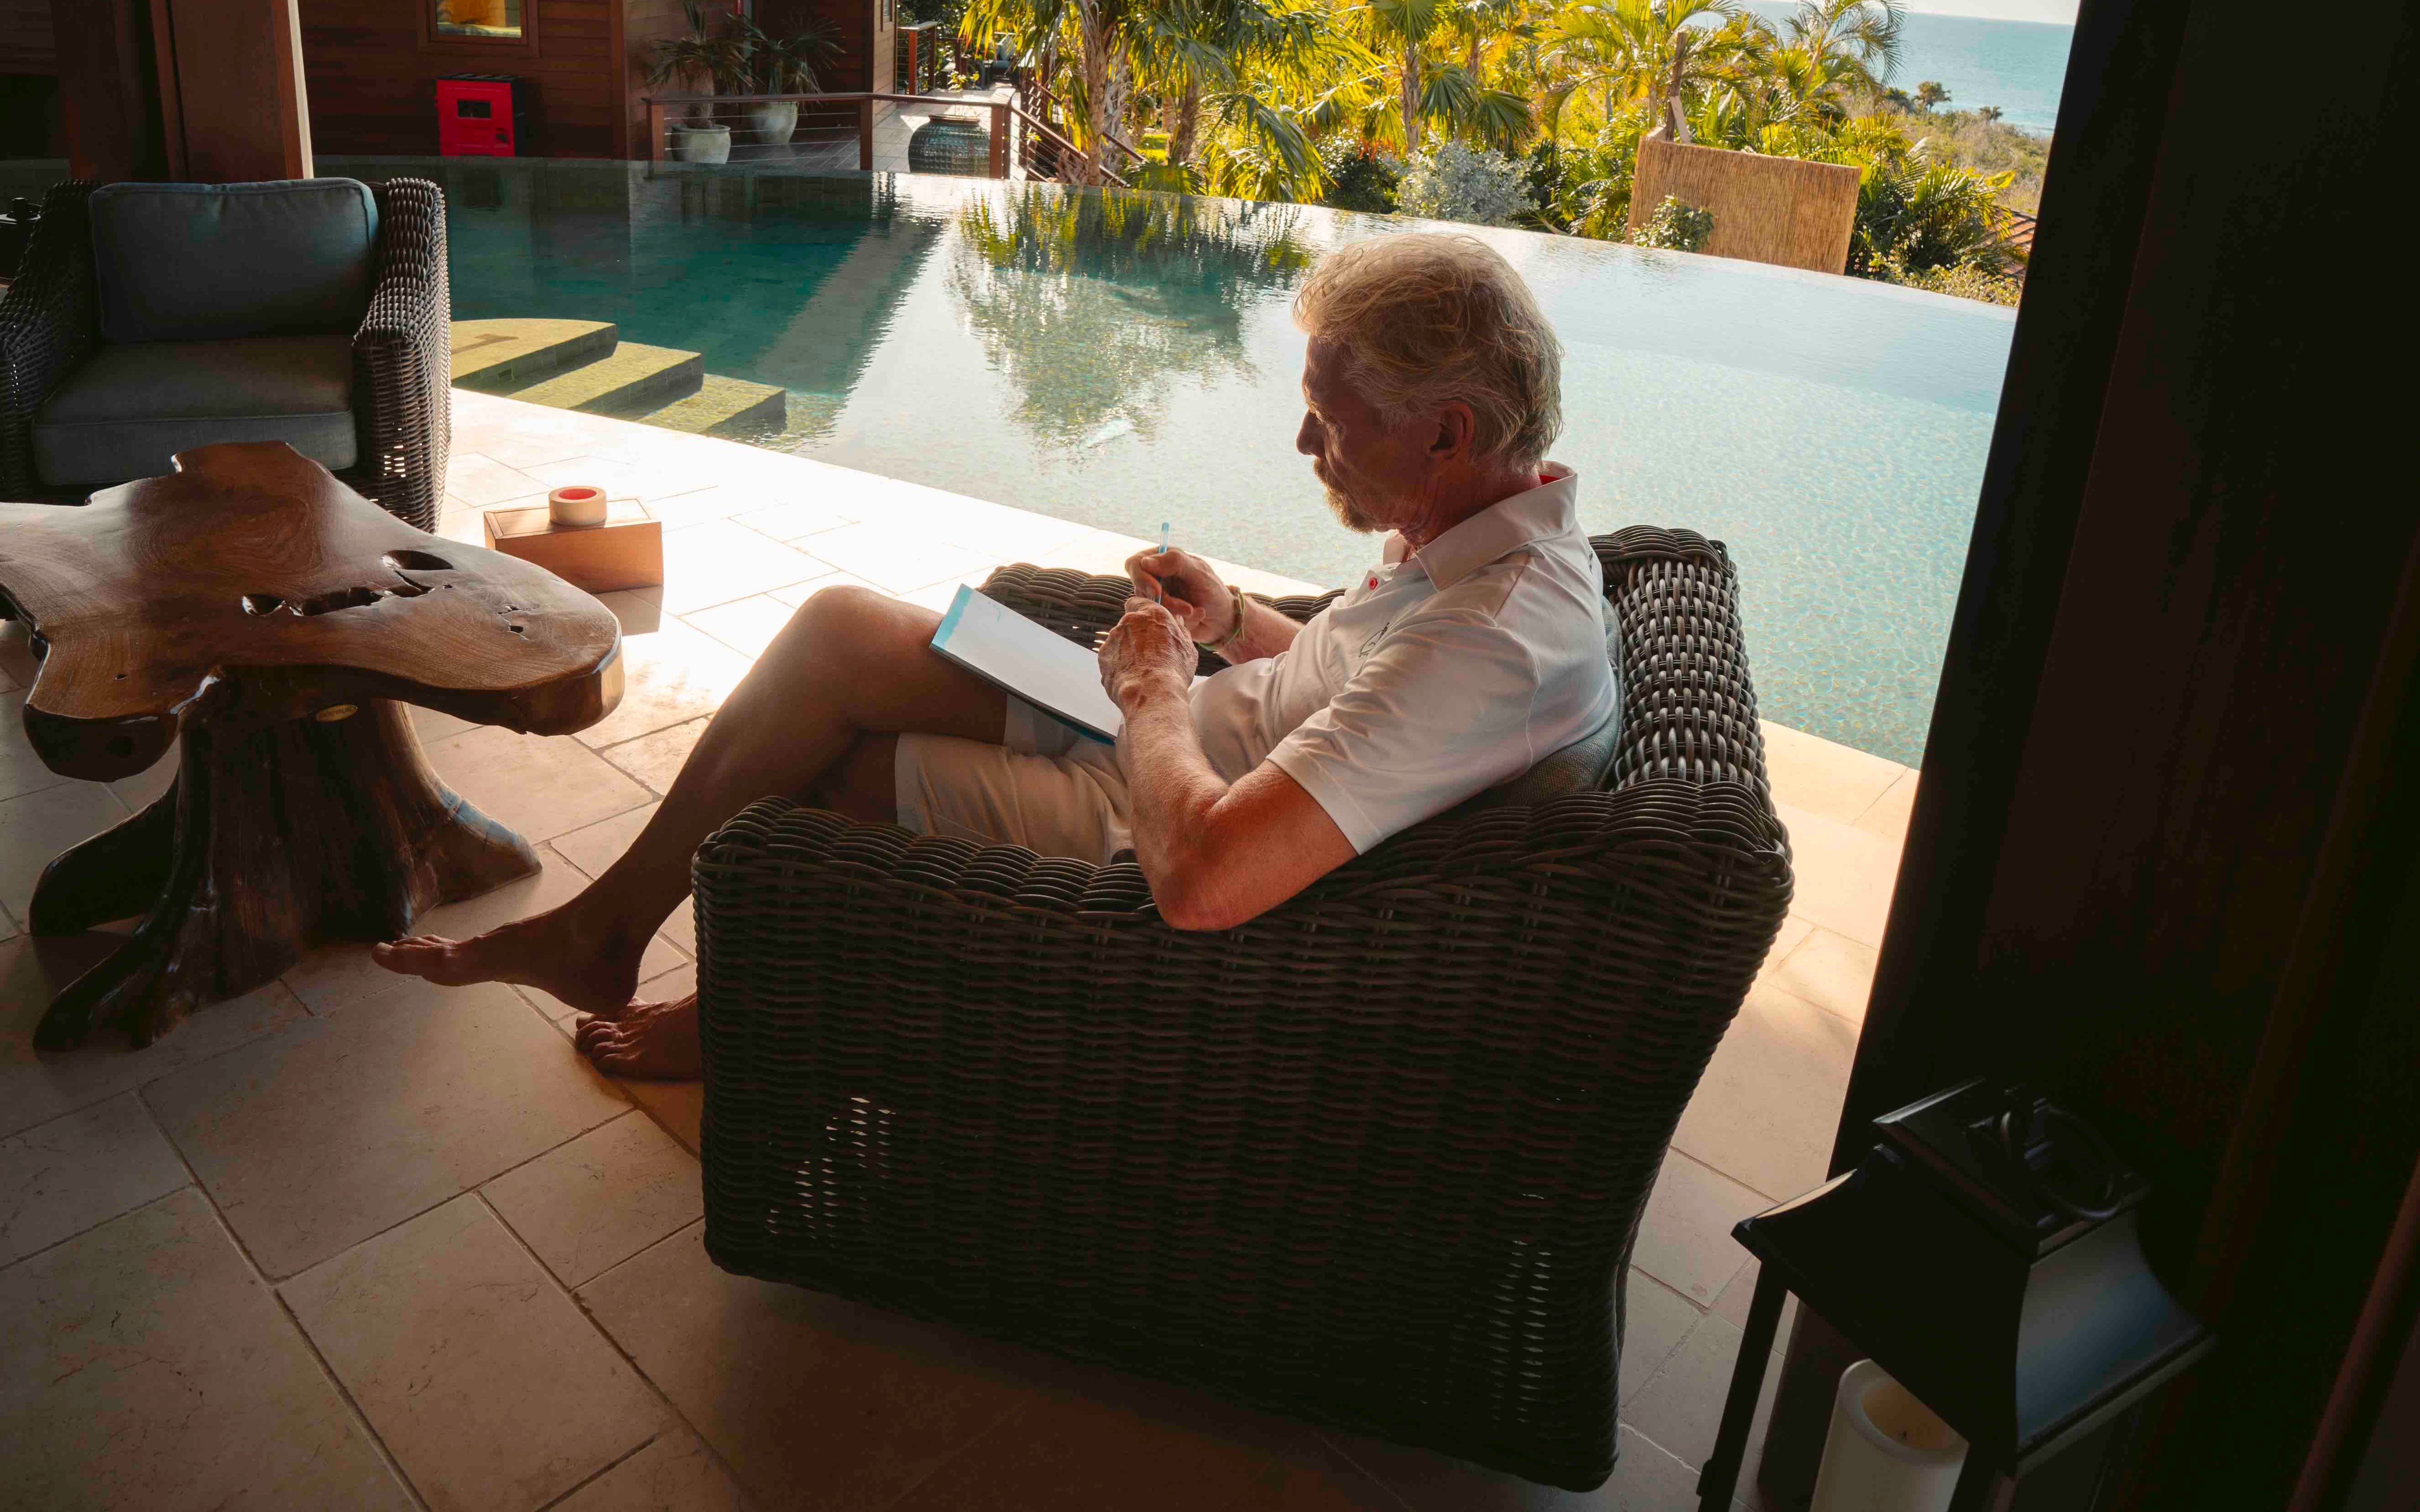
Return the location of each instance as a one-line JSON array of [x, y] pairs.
[[1438, 673]]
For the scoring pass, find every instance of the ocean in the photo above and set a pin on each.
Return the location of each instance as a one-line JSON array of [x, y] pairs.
[[2016, 65]]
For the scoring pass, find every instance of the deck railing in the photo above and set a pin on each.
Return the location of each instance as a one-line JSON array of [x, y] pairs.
[[1047, 106], [928, 56], [852, 130]]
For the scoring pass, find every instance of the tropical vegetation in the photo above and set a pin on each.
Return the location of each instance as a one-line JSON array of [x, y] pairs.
[[1526, 111]]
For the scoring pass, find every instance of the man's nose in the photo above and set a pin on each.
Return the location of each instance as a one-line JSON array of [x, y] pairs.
[[1306, 437]]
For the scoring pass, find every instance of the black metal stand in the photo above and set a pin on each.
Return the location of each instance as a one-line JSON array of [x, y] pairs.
[[1720, 1478], [1954, 1226]]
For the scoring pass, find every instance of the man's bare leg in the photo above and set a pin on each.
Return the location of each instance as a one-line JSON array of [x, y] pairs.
[[849, 665], [660, 1040]]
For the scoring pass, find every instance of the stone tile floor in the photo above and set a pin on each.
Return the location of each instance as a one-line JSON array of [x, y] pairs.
[[351, 1241]]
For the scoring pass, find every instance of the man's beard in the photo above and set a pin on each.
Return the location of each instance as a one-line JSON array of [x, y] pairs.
[[1347, 513]]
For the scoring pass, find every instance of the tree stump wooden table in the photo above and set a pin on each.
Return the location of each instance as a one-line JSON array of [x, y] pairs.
[[272, 623]]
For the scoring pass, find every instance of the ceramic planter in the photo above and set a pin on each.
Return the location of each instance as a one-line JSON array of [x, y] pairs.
[[773, 123], [702, 144]]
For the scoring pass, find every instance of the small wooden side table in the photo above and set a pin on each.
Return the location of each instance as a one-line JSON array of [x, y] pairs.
[[626, 551], [273, 624]]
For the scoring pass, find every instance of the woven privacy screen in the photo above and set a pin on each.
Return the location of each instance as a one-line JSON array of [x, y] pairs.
[[1376, 1158]]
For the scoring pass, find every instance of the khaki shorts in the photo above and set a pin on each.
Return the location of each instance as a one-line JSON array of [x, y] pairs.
[[1047, 787]]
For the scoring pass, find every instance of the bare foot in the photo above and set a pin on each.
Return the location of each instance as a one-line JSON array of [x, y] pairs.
[[557, 951], [656, 1040]]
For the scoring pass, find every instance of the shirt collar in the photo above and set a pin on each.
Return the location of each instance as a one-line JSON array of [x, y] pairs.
[[1552, 508]]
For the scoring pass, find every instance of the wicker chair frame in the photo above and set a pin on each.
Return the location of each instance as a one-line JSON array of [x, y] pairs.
[[49, 322], [1376, 1159]]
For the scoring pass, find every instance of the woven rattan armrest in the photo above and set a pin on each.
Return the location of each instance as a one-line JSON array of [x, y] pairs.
[[47, 325], [403, 357], [1453, 863], [1081, 604]]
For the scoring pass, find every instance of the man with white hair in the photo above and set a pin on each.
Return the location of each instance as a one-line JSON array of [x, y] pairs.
[[1475, 649]]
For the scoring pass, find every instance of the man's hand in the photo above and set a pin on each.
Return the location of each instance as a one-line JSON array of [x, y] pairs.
[[1145, 652], [1189, 590], [1215, 854]]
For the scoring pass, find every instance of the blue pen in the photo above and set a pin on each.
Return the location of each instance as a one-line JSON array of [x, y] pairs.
[[1159, 595]]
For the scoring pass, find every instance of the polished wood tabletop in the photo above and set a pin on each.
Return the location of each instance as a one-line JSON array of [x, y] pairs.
[[251, 564], [272, 625]]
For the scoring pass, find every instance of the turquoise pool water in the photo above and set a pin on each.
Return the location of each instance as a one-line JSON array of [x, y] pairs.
[[1127, 360]]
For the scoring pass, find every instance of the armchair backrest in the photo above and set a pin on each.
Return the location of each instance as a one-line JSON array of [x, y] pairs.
[[1688, 709], [206, 262]]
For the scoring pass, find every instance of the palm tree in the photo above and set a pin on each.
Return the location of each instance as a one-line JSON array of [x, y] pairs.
[[1418, 41], [720, 63], [786, 65], [1240, 65], [1662, 51], [1851, 42], [1836, 51], [1929, 94], [1396, 30], [1248, 62], [1096, 94]]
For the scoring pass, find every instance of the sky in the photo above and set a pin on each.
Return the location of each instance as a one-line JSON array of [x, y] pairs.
[[2061, 12]]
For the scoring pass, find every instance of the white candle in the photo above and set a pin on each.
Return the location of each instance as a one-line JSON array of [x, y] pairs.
[[1886, 1452]]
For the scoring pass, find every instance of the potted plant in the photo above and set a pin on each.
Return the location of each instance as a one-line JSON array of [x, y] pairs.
[[719, 61], [784, 65]]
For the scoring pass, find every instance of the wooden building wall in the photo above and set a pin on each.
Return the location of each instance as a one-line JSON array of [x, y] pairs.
[[372, 67], [25, 45], [29, 86], [645, 23], [861, 29]]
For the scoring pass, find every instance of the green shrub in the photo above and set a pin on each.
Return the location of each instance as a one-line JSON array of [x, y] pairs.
[[1586, 184], [1456, 181], [1967, 281], [1675, 226], [1918, 215], [1359, 177]]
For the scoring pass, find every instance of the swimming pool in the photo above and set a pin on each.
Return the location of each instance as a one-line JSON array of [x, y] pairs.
[[1125, 360]]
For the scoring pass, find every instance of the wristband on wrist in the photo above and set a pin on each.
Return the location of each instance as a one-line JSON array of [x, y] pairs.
[[1218, 647]]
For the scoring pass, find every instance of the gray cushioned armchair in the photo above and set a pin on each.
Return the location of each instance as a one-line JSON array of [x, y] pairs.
[[149, 319]]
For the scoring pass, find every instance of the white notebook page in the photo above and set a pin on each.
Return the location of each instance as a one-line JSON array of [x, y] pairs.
[[1001, 646]]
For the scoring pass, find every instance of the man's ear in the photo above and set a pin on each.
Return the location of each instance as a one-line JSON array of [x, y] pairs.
[[1455, 426]]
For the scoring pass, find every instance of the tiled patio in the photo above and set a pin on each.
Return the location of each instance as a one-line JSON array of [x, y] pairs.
[[350, 1242]]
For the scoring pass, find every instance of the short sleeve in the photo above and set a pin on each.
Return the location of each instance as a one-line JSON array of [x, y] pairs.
[[1441, 710]]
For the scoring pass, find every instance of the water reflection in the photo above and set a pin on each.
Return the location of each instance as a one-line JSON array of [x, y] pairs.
[[1095, 305]]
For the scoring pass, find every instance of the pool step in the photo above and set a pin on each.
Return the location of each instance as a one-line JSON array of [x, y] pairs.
[[497, 353], [723, 405], [584, 364], [630, 378]]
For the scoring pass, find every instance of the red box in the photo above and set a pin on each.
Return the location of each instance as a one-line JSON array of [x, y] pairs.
[[481, 115]]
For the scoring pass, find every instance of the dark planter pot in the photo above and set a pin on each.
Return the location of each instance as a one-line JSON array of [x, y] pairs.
[[952, 146]]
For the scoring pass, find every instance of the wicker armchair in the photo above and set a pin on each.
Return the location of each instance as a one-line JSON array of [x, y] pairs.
[[402, 352], [1377, 1158]]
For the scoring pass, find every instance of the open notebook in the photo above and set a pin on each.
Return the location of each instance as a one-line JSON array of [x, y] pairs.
[[1001, 646]]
